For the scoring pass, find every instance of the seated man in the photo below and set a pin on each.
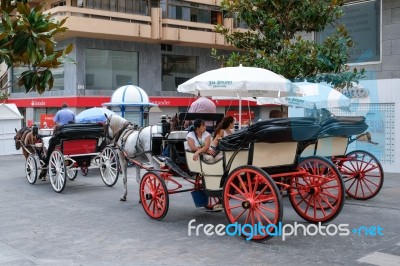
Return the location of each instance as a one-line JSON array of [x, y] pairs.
[[199, 141]]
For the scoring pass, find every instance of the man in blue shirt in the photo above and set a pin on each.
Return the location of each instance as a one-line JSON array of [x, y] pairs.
[[64, 116]]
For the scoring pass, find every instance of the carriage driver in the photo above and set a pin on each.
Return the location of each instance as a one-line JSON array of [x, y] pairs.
[[199, 141], [64, 116]]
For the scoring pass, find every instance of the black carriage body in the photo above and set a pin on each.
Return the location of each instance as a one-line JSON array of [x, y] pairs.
[[77, 140], [335, 135], [273, 133]]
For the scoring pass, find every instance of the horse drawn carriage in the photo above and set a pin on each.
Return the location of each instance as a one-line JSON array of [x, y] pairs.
[[259, 165], [72, 147]]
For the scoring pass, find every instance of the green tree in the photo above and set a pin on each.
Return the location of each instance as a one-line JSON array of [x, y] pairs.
[[27, 39], [273, 39]]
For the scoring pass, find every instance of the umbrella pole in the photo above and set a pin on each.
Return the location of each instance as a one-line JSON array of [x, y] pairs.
[[240, 111]]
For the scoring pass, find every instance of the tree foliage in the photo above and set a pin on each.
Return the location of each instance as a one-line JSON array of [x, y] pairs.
[[273, 39], [27, 39]]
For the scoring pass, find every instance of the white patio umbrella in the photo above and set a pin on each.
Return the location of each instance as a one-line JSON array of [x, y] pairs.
[[315, 96], [239, 82]]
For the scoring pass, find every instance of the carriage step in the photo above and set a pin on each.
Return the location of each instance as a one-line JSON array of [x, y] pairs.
[[176, 168]]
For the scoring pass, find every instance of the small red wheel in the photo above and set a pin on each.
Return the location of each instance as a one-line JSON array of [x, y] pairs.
[[84, 171], [317, 196], [154, 195], [212, 202], [362, 174], [251, 197]]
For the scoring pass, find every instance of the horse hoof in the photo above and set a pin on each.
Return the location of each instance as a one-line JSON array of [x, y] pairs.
[[122, 199]]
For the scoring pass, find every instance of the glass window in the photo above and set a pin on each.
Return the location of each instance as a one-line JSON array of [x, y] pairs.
[[58, 75], [163, 6], [39, 111], [129, 7], [109, 70], [176, 69], [362, 21], [121, 6], [193, 12], [204, 16]]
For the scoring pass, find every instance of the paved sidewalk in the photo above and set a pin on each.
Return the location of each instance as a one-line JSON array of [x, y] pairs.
[[88, 225]]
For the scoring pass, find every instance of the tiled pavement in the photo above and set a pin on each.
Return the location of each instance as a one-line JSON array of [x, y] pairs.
[[88, 225]]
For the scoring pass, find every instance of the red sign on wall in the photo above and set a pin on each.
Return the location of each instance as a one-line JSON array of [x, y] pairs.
[[247, 116], [92, 101], [46, 121]]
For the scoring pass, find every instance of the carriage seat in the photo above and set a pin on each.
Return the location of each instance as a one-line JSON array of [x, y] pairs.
[[275, 130], [177, 136], [201, 166], [342, 126]]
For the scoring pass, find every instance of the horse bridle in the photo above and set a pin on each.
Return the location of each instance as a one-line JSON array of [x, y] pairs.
[[118, 134]]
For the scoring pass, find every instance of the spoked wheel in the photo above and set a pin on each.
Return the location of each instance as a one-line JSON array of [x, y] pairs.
[[31, 169], [109, 166], [317, 196], [250, 196], [212, 202], [154, 195], [72, 173], [84, 171], [362, 174], [57, 171]]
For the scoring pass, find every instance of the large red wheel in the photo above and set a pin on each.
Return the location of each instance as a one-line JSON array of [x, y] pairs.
[[362, 174], [250, 196], [154, 195], [317, 196]]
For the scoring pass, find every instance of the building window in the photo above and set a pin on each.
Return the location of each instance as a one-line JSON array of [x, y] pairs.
[[177, 69], [181, 10], [59, 3], [362, 21], [58, 75], [109, 70], [123, 6]]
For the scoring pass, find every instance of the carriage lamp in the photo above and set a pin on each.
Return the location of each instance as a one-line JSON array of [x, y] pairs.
[[163, 127]]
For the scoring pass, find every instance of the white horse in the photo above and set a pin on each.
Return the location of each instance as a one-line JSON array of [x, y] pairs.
[[133, 144]]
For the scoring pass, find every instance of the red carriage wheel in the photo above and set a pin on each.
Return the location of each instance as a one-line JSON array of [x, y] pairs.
[[362, 174], [317, 196], [154, 195], [251, 197]]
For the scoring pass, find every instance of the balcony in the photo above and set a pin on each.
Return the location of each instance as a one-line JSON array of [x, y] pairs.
[[92, 23]]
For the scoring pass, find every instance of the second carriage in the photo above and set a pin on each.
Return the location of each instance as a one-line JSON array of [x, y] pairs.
[[259, 166], [361, 171], [74, 146]]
